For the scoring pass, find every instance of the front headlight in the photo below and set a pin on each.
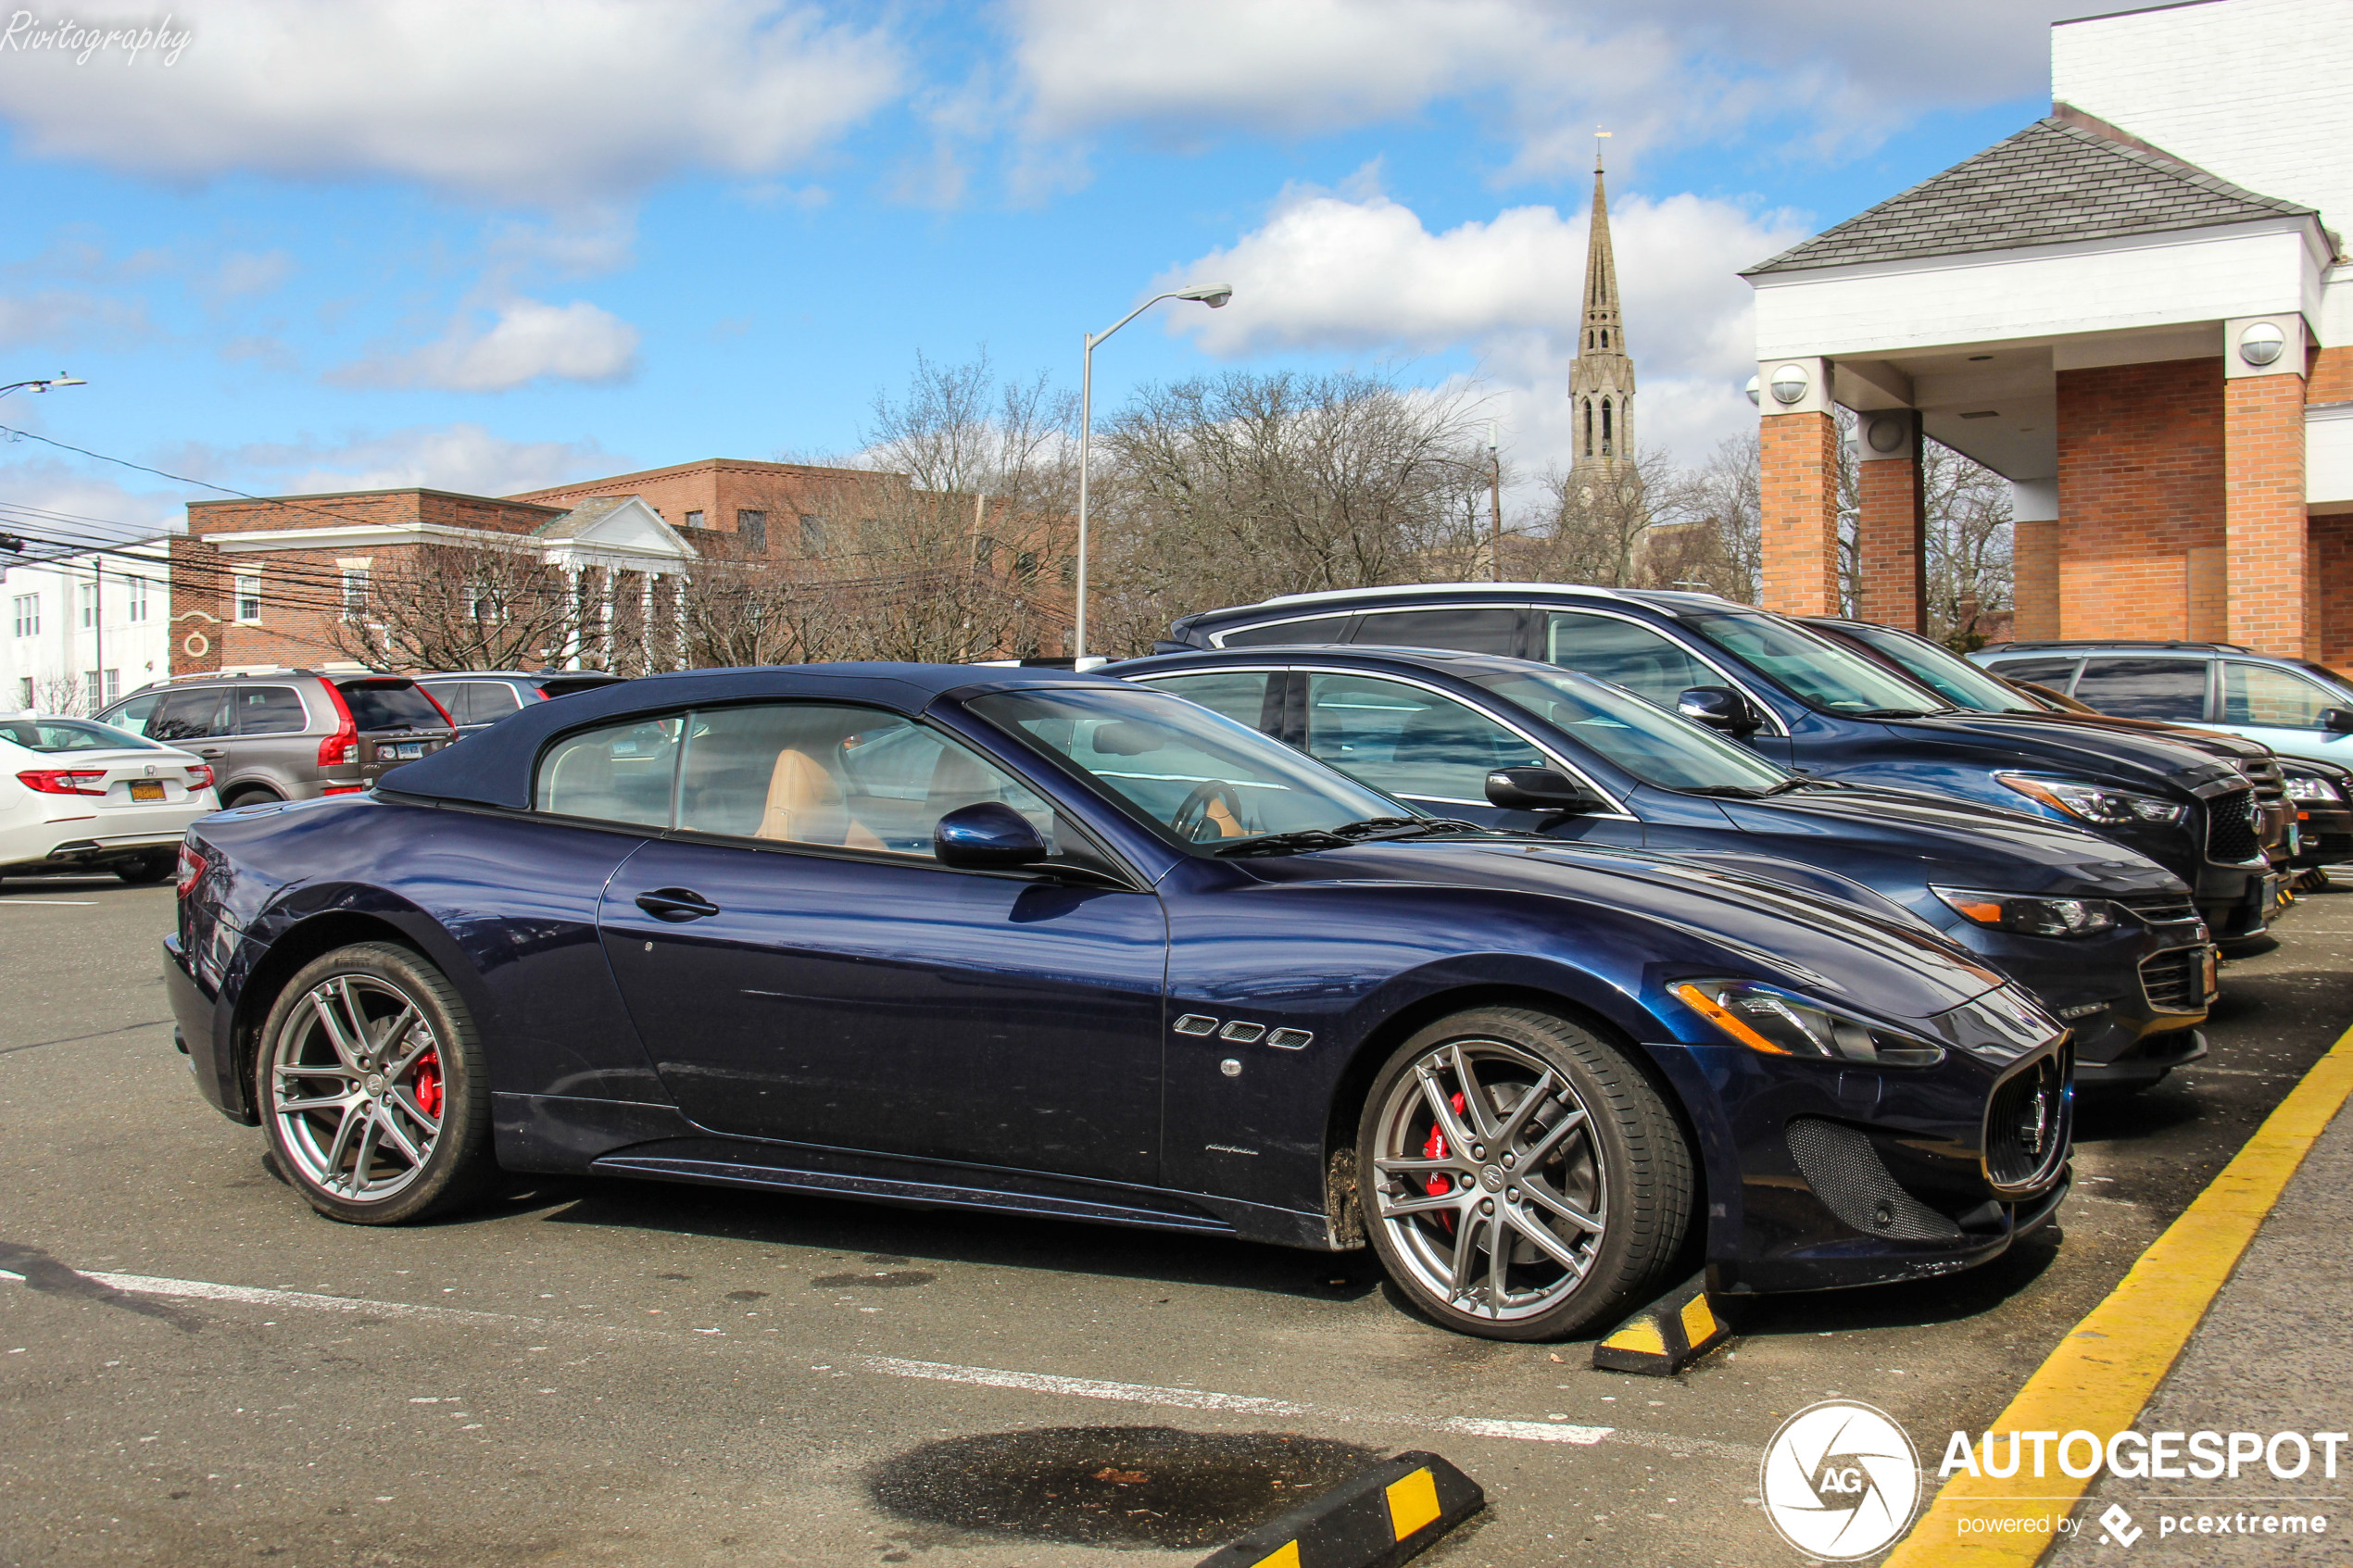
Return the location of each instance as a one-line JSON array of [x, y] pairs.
[[2095, 803], [1784, 1022], [2034, 916], [2303, 788]]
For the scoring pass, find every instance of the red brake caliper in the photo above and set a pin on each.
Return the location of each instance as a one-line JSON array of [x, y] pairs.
[[428, 1085], [1440, 1184]]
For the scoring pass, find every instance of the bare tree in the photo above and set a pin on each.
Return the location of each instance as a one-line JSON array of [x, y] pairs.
[[1970, 567], [457, 607], [59, 693], [738, 613], [1604, 528], [1715, 541]]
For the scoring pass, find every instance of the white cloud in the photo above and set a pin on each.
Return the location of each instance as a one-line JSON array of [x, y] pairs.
[[68, 318], [1679, 71], [49, 499], [538, 104], [527, 340], [1362, 275]]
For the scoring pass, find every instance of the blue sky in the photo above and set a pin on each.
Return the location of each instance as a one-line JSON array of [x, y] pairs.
[[360, 242]]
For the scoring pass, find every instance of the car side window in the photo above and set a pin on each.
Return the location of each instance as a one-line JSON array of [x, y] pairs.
[[1239, 695], [188, 716], [2144, 688], [1459, 628], [2052, 672], [1409, 742], [453, 695], [133, 715], [266, 710], [1316, 629], [624, 773], [487, 701], [1652, 666], [2256, 694]]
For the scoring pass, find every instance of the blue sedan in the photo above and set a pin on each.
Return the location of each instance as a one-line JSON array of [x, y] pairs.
[[1054, 944]]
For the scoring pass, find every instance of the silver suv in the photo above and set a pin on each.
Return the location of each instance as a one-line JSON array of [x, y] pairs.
[[290, 735]]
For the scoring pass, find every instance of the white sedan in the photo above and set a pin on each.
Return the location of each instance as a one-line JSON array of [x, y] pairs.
[[78, 796]]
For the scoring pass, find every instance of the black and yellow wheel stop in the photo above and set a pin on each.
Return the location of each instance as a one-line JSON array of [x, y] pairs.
[[1388, 1516], [1667, 1335]]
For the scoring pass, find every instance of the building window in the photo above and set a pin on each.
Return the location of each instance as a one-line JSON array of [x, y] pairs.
[[753, 527], [1605, 337], [88, 593], [1026, 568], [694, 519], [248, 598], [114, 684], [24, 692], [355, 590], [91, 702], [1070, 573], [1604, 427], [983, 553], [1589, 427], [27, 616], [813, 534], [135, 599]]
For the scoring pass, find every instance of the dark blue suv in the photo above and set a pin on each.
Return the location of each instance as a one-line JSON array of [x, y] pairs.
[[1809, 704]]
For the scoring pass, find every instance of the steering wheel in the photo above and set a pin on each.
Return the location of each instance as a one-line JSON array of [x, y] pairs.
[[1193, 816]]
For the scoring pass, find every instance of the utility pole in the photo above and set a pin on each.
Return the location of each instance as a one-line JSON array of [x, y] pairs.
[[98, 630], [1495, 497]]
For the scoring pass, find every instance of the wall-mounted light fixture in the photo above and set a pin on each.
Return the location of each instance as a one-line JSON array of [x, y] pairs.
[[2261, 343], [1788, 384]]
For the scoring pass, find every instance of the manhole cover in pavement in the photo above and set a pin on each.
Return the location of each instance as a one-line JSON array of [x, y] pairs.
[[1112, 1486]]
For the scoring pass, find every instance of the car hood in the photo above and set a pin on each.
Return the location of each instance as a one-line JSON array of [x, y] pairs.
[[1683, 916], [1955, 841], [2027, 744], [2214, 742]]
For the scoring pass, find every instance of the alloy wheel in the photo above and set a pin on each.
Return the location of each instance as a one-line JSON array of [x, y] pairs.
[[356, 1083], [1488, 1180]]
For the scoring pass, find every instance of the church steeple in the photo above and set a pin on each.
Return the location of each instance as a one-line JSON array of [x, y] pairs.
[[1600, 381]]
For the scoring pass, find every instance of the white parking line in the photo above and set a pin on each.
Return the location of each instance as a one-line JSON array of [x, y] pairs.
[[949, 1372], [51, 903]]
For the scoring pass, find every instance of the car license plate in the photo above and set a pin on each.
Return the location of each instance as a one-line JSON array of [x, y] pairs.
[[2213, 973], [406, 749], [147, 789]]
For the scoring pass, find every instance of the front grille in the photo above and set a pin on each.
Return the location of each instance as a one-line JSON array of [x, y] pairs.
[[2026, 1127], [2175, 982], [2160, 908], [1847, 1175], [2231, 837]]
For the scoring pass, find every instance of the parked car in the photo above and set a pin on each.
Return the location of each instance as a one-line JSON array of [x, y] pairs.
[[290, 735], [2106, 939], [1792, 694], [1034, 941], [478, 698], [2294, 706], [1965, 685], [78, 796]]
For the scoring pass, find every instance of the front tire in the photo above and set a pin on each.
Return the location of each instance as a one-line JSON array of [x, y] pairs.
[[373, 1087], [1522, 1179]]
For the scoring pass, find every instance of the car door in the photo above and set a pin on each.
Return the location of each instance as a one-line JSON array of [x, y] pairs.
[[802, 970], [2283, 710], [271, 739], [196, 721], [1433, 750]]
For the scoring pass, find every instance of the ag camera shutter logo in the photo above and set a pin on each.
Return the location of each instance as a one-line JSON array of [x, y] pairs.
[[1841, 1480]]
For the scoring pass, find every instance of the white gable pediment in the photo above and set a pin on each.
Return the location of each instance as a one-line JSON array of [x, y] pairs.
[[629, 532]]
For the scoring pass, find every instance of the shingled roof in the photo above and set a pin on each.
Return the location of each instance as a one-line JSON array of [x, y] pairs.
[[2049, 183]]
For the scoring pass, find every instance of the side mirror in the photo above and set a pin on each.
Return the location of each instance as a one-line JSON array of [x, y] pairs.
[[988, 836], [1718, 708], [2337, 721], [1536, 789]]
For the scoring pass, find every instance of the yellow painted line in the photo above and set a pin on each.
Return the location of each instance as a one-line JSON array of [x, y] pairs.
[[2105, 1369]]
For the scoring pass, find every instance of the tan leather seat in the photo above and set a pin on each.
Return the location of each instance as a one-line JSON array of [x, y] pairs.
[[805, 806]]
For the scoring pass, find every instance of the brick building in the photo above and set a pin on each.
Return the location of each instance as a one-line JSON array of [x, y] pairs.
[[2133, 310]]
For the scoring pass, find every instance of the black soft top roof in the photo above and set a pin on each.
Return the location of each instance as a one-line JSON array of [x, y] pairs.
[[494, 768]]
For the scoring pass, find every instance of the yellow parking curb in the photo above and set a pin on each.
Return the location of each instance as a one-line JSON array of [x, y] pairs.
[[2108, 1366]]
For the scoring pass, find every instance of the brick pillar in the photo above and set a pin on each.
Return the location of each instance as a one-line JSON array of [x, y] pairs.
[[2263, 512], [1891, 534], [200, 585], [1798, 497], [2036, 562]]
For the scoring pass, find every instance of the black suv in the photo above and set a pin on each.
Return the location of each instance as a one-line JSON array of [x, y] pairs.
[[1822, 709]]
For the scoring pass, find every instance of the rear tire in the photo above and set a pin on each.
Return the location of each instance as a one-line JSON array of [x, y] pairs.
[[374, 1089], [1568, 1206], [250, 798], [147, 868]]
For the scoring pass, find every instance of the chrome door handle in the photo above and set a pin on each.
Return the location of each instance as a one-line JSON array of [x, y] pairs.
[[676, 905]]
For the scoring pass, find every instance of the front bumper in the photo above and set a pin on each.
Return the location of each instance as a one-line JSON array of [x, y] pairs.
[[2113, 990], [1822, 1176]]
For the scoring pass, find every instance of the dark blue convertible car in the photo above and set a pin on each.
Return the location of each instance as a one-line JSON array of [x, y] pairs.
[[1061, 944]]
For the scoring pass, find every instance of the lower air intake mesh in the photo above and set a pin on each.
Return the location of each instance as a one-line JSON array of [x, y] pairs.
[[1847, 1175]]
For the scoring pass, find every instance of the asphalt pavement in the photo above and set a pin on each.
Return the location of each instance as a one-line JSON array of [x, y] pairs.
[[196, 1368]]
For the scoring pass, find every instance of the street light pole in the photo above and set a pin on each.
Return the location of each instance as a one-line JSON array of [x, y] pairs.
[[1215, 295], [1495, 497]]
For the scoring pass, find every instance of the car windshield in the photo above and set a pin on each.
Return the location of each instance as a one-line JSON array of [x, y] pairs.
[[1654, 746], [1946, 672], [1190, 774], [1813, 669], [391, 705], [70, 734]]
